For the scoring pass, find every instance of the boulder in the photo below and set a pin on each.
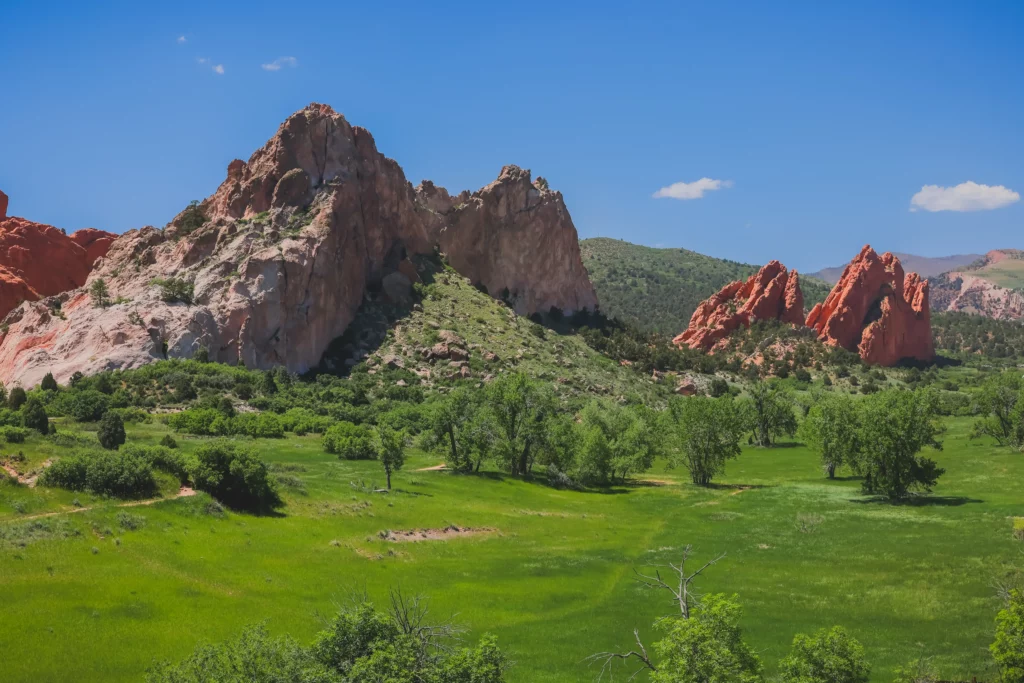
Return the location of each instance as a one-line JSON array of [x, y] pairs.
[[877, 311], [773, 293]]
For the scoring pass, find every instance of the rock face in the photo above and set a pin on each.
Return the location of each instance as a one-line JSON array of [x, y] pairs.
[[773, 293], [877, 311], [516, 238], [988, 287], [273, 266], [38, 260]]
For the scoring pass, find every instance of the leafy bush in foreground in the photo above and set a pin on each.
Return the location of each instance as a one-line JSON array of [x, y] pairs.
[[361, 645], [350, 442], [123, 474], [235, 476]]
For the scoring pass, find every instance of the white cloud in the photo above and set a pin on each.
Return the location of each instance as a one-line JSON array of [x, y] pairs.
[[969, 196], [219, 69], [202, 60], [280, 62], [182, 40], [694, 190]]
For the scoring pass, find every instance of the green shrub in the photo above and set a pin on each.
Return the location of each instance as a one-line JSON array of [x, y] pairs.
[[111, 433], [130, 522], [350, 442], [1008, 648], [168, 441], [81, 405], [33, 416], [14, 434], [17, 398], [829, 656], [122, 474], [235, 476], [175, 290], [48, 383]]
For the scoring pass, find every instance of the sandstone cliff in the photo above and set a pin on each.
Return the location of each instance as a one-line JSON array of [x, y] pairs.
[[273, 266], [992, 286], [773, 293], [38, 260], [877, 311], [484, 233]]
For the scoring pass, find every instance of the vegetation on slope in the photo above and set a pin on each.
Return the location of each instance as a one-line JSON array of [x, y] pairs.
[[657, 290]]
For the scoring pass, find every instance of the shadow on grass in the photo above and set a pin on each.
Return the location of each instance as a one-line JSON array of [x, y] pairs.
[[918, 501], [739, 487], [407, 492], [541, 480]]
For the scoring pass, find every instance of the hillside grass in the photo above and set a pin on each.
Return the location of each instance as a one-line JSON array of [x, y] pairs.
[[88, 600], [657, 290]]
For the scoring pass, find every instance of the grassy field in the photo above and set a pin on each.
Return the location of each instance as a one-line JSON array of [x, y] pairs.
[[88, 600]]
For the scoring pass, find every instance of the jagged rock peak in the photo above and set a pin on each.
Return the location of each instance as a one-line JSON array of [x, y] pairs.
[[877, 311], [773, 293], [515, 238], [276, 262]]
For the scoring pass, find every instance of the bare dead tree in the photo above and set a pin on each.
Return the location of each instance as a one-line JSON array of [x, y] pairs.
[[412, 617], [682, 593], [684, 597]]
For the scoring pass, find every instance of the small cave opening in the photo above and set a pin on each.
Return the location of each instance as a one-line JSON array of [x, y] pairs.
[[874, 311]]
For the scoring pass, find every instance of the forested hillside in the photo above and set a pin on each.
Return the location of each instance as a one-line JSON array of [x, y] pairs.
[[658, 290]]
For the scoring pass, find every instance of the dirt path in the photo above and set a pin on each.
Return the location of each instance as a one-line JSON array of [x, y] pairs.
[[435, 468], [26, 481], [183, 492]]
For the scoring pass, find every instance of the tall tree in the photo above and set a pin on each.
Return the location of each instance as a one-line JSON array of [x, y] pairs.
[[707, 434], [390, 450], [769, 413], [1001, 400], [520, 407], [447, 433], [895, 426], [832, 428]]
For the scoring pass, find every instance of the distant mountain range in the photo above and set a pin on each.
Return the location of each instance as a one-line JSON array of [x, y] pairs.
[[992, 286], [925, 266]]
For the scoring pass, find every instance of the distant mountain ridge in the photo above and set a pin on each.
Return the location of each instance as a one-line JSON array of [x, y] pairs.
[[658, 290], [925, 266], [992, 286]]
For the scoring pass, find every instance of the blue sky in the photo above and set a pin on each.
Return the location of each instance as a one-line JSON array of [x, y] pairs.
[[819, 123]]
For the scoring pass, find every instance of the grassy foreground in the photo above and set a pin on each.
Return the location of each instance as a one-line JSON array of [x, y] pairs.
[[93, 601]]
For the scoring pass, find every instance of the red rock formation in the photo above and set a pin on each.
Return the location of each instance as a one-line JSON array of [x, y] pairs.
[[282, 255], [95, 242], [772, 293], [877, 311], [38, 260]]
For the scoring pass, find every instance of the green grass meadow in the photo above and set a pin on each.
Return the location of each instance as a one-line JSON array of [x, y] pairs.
[[553, 580]]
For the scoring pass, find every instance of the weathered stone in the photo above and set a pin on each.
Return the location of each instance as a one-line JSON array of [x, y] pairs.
[[773, 293], [877, 311]]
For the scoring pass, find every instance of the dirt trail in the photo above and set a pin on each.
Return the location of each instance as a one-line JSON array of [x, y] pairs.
[[183, 492], [25, 481], [435, 468]]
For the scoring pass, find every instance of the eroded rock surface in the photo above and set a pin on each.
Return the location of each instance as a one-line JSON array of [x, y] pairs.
[[877, 311], [273, 266], [516, 238], [773, 293], [38, 260]]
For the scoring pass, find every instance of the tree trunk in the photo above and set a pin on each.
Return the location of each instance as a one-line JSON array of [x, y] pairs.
[[831, 470], [387, 471], [455, 453]]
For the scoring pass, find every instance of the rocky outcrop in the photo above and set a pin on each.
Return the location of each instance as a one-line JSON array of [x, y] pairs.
[[515, 238], [985, 287], [877, 311], [273, 266], [95, 242], [773, 293], [38, 260]]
